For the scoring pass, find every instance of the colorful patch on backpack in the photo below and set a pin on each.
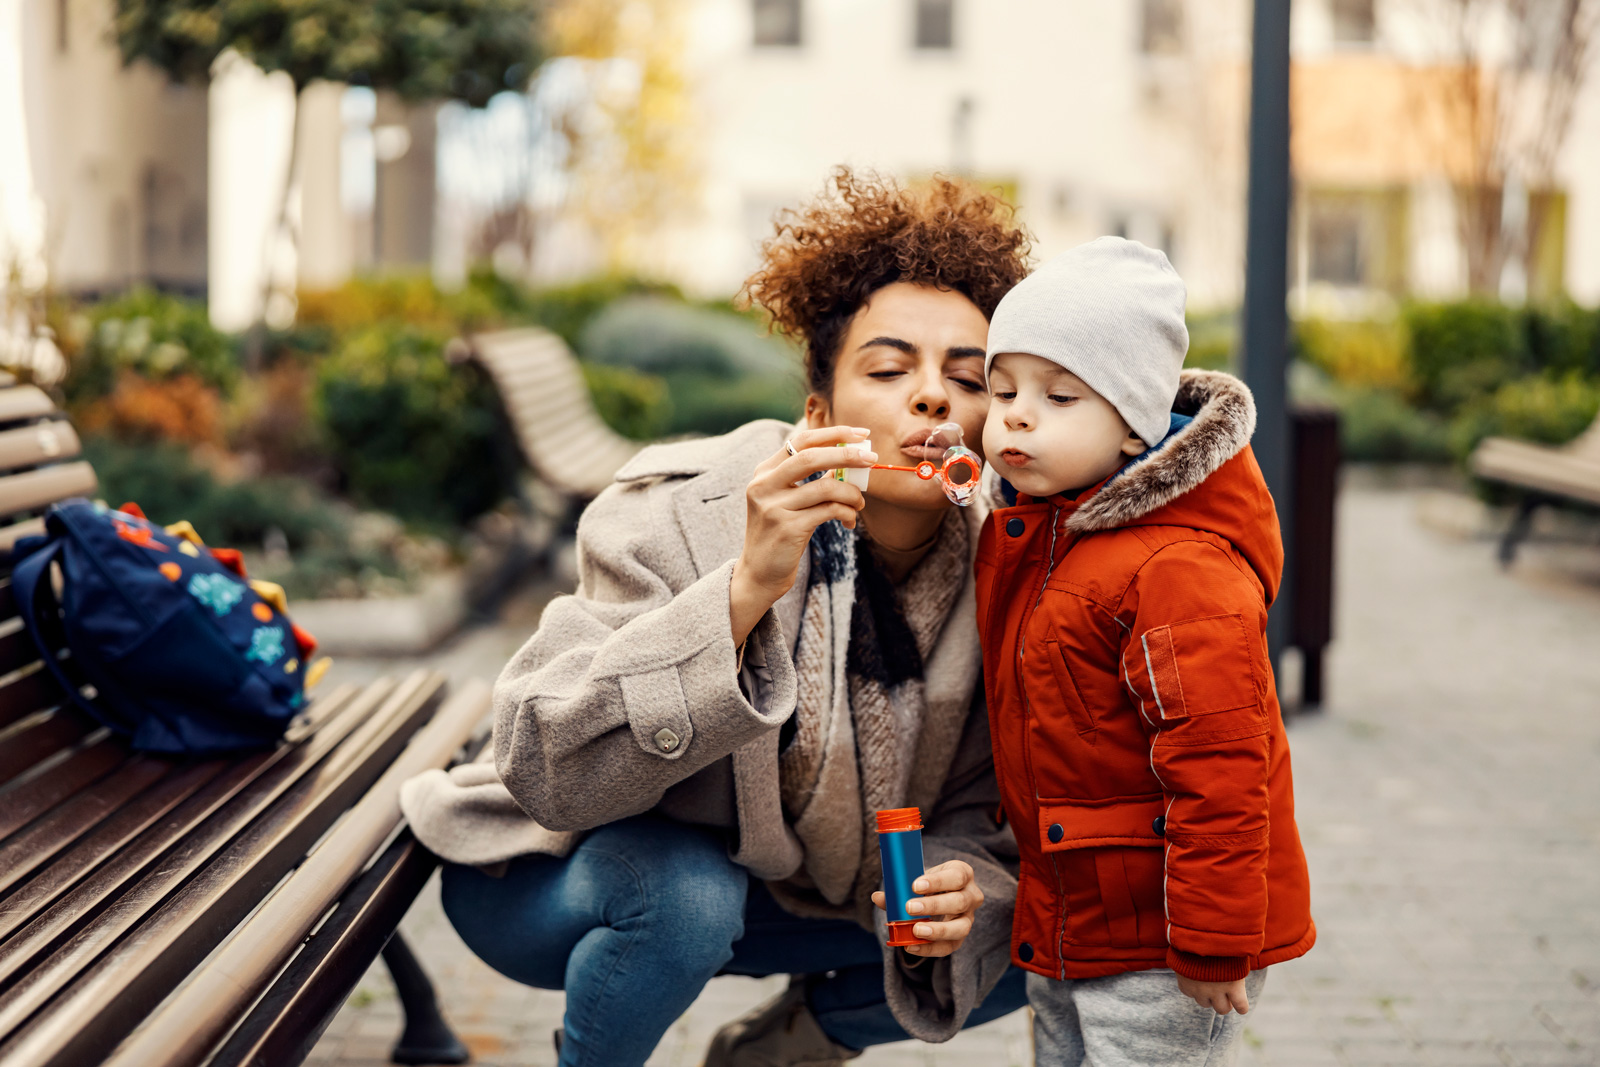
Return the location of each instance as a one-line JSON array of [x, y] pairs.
[[216, 591], [266, 644]]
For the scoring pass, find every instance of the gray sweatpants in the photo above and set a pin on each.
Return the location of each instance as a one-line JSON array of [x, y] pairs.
[[1138, 1019]]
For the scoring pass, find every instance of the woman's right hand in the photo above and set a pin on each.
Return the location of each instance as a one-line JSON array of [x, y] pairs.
[[780, 516]]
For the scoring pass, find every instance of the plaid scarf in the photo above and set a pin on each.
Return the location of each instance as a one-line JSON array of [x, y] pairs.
[[881, 705]]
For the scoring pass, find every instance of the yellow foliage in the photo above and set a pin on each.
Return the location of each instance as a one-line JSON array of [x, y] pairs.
[[1357, 353], [640, 171]]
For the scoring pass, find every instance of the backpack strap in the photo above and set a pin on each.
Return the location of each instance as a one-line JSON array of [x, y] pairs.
[[30, 584]]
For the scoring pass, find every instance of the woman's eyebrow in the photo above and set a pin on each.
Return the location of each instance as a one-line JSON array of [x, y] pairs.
[[892, 342], [965, 352]]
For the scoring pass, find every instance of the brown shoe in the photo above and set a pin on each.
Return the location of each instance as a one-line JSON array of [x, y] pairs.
[[780, 1033]]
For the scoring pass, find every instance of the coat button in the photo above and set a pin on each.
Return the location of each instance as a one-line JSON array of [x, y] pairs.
[[1056, 833], [1159, 825], [1024, 952], [1015, 527], [666, 740]]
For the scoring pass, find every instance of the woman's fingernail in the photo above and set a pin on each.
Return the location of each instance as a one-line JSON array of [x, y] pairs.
[[870, 457], [914, 905], [920, 885], [922, 930], [862, 431]]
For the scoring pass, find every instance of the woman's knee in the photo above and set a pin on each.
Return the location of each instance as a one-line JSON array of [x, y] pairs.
[[678, 881], [500, 920]]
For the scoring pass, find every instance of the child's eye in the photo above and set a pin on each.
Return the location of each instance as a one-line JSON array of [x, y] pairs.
[[1057, 398], [1003, 396]]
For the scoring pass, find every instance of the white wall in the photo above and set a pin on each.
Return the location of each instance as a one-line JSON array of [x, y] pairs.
[[1062, 103]]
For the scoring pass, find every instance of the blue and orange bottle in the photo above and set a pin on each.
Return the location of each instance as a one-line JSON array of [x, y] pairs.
[[900, 847]]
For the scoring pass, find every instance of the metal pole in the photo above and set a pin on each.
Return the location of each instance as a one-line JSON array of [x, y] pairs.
[[1266, 321]]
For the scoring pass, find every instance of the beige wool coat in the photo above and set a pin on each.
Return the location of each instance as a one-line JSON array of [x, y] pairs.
[[631, 697]]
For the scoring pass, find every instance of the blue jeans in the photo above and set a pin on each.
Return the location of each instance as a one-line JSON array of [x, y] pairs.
[[642, 915]]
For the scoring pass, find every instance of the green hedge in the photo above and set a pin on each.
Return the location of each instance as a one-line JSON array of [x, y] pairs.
[[410, 432], [151, 334]]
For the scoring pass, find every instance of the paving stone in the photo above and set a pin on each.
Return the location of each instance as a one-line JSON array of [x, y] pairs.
[[1447, 798]]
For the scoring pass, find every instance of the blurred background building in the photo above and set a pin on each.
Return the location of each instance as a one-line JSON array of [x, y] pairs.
[[1434, 153]]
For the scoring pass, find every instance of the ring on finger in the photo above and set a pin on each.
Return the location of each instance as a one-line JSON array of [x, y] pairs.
[[788, 446]]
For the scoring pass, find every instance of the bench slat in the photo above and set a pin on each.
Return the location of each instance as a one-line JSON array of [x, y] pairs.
[[32, 490], [199, 1015], [104, 842], [26, 745], [95, 783], [17, 650], [39, 793], [191, 834], [109, 999], [27, 695], [24, 402], [43, 442], [297, 1008]]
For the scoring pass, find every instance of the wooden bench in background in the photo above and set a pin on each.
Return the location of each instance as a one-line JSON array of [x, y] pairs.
[[551, 411], [158, 911], [1540, 475]]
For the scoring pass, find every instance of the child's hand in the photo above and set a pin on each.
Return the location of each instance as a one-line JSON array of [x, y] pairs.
[[949, 889], [1222, 997]]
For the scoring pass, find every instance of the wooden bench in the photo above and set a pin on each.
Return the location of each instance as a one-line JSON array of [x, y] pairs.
[[158, 911], [551, 411], [1540, 475]]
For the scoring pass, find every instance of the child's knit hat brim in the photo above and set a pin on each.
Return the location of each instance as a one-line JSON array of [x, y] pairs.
[[1111, 312]]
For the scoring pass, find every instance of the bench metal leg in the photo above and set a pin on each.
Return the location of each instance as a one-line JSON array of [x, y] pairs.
[[1518, 530], [427, 1037]]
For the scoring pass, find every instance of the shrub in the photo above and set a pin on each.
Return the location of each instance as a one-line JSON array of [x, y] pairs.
[[146, 333], [568, 310], [1377, 425], [719, 369], [1463, 351], [633, 404], [182, 409], [408, 431], [411, 299], [1356, 353], [167, 481], [1547, 409]]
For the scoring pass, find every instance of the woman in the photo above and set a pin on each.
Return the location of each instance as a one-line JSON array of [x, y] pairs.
[[689, 752]]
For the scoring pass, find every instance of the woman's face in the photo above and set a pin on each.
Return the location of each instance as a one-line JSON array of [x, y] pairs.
[[911, 359]]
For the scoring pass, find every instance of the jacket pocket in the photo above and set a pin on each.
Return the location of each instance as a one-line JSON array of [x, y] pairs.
[[1112, 863], [1067, 686]]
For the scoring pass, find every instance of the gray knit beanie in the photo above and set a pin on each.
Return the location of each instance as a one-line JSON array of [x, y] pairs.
[[1111, 312]]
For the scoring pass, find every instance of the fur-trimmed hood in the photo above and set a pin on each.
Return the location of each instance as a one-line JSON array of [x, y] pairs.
[[1222, 416], [1202, 475]]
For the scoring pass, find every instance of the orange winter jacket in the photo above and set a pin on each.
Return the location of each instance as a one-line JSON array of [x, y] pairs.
[[1142, 757]]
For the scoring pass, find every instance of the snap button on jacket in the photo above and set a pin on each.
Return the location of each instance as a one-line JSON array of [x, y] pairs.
[[1142, 756]]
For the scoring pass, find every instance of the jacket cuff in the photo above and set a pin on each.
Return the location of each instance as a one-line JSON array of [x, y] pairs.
[[1208, 968]]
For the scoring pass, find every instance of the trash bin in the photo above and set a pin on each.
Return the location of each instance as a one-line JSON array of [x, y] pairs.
[[1314, 438]]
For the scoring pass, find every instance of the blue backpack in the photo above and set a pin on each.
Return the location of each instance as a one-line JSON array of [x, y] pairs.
[[185, 654]]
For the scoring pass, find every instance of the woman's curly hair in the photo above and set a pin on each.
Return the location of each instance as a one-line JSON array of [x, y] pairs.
[[825, 260]]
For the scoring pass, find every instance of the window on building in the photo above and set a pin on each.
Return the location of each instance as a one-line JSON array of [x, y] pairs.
[[935, 23], [1351, 239], [777, 23], [1354, 21], [1161, 27]]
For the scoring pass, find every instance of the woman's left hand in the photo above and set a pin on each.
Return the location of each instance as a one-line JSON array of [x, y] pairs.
[[949, 890]]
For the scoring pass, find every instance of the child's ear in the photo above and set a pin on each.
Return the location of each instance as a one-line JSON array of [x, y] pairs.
[[1133, 445]]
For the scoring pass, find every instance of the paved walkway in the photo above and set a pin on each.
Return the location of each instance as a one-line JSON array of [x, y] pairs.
[[1449, 798]]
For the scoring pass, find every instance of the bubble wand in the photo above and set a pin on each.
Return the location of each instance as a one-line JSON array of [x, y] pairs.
[[958, 469]]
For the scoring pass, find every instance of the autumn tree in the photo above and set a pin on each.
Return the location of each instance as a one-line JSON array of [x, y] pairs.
[[466, 50]]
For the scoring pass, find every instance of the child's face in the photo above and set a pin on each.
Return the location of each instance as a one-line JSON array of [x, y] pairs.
[[1049, 433]]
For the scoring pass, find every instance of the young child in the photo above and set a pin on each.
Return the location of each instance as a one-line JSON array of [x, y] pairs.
[[1122, 606]]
